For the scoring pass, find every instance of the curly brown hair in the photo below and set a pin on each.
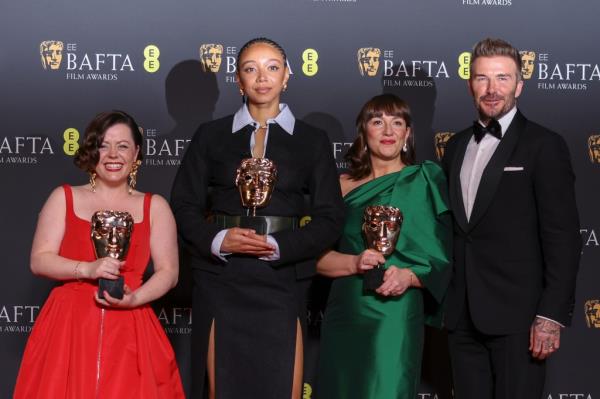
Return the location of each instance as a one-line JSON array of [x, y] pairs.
[[358, 154], [87, 156]]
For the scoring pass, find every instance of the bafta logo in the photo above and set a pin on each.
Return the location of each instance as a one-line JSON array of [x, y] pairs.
[[368, 60], [592, 313], [440, 140], [594, 148], [51, 53], [527, 63], [210, 56]]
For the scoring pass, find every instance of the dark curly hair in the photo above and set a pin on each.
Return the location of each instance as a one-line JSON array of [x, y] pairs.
[[358, 154], [87, 156]]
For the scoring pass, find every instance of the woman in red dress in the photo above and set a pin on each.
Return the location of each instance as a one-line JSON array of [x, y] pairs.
[[82, 346]]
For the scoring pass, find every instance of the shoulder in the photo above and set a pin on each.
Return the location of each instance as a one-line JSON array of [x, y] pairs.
[[305, 129], [213, 128], [428, 173], [159, 208]]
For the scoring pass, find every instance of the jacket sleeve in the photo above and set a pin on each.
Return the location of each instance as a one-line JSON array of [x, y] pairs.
[[326, 210], [554, 187], [189, 197]]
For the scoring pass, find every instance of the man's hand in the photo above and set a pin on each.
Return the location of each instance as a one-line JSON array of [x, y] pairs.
[[544, 338]]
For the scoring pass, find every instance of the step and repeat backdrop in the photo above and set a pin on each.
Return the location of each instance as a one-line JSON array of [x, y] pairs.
[[172, 65]]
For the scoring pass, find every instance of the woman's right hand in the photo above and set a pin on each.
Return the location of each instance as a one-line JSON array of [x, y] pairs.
[[367, 260], [107, 268], [246, 241]]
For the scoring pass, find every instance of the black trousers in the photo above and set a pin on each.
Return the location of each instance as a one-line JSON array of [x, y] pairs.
[[493, 366]]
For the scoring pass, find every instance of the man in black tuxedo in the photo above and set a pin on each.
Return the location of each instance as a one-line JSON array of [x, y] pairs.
[[516, 238]]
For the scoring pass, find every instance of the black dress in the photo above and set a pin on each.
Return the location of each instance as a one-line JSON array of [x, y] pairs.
[[254, 304]]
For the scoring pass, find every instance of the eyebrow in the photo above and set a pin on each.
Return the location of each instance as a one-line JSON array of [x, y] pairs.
[[269, 60]]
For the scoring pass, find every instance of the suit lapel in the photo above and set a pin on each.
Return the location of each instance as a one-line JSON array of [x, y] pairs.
[[495, 168], [455, 189]]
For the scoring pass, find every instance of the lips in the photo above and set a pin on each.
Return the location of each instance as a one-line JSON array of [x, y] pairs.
[[387, 141], [113, 166], [262, 90]]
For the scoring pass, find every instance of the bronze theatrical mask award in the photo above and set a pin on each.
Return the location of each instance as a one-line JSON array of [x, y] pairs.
[[255, 180], [381, 229], [111, 234]]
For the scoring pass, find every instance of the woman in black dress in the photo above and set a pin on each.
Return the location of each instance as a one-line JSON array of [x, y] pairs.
[[249, 288]]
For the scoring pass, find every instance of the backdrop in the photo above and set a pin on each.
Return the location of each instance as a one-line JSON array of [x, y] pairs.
[[172, 66]]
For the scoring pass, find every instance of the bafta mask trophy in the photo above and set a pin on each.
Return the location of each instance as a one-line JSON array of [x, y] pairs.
[[111, 234], [255, 180], [381, 229]]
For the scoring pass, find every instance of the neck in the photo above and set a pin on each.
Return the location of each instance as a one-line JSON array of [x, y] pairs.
[[381, 167], [111, 190], [263, 112]]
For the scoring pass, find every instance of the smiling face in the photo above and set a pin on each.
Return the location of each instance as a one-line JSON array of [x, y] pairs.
[[117, 153], [495, 86], [386, 135], [262, 74]]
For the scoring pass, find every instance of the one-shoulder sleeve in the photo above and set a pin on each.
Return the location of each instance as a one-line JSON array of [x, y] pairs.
[[425, 242]]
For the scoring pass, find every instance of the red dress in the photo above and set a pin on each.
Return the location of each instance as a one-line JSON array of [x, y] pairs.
[[78, 349]]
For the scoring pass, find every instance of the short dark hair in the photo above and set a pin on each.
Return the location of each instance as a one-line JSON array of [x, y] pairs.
[[87, 157], [358, 155], [491, 47], [264, 40]]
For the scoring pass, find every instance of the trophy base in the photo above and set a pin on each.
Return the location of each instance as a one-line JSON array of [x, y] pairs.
[[372, 279], [113, 287]]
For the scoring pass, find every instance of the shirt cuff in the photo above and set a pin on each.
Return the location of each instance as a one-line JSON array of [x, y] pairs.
[[553, 321], [276, 254], [215, 247]]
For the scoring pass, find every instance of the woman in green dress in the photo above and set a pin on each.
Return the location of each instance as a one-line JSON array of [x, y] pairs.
[[372, 343]]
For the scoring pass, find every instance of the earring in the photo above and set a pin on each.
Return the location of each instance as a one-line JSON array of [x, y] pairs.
[[405, 148], [242, 92], [133, 175], [93, 181], [284, 86]]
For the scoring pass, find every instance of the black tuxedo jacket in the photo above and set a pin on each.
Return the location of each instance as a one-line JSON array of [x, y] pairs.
[[518, 255], [205, 184]]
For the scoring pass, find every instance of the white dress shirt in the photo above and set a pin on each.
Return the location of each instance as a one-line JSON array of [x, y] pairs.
[[476, 159]]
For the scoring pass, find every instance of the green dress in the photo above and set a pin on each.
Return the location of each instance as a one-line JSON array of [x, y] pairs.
[[371, 346]]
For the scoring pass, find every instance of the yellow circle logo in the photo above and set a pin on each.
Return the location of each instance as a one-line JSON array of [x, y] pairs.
[[310, 66], [151, 62], [464, 59], [71, 136]]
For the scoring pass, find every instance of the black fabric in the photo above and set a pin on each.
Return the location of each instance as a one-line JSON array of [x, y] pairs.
[[254, 303], [516, 257], [493, 128]]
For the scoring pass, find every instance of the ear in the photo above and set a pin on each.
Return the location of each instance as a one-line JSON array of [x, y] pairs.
[[519, 88], [137, 152], [286, 76], [470, 87]]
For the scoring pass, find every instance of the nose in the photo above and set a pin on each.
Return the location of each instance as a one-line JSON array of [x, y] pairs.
[[112, 236], [387, 129], [492, 85], [382, 230]]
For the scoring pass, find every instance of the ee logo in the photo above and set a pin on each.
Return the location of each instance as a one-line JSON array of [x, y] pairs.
[[71, 136], [151, 62], [464, 59], [310, 66]]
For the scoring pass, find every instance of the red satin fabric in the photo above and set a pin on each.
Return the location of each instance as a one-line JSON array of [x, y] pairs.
[[78, 350]]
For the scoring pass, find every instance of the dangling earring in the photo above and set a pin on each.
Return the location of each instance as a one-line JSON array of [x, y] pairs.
[[284, 86], [405, 147], [133, 175], [242, 92], [93, 181]]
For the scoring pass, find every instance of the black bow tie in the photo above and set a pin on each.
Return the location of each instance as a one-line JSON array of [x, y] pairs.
[[492, 128]]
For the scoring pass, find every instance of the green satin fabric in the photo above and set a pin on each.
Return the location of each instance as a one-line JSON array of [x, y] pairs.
[[371, 346]]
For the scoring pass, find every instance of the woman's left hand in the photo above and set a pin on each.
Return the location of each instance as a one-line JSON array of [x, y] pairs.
[[395, 281], [127, 302]]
